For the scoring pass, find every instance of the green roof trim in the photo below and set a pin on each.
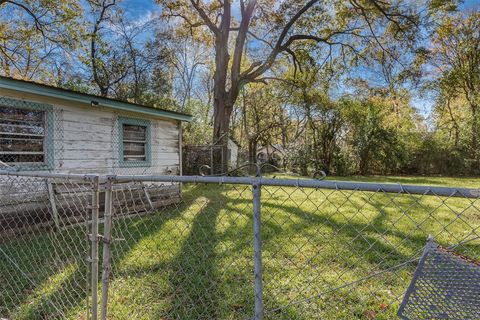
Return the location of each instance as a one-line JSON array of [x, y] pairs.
[[53, 92]]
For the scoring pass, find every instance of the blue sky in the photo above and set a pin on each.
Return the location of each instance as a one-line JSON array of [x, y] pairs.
[[471, 4], [141, 9], [138, 9]]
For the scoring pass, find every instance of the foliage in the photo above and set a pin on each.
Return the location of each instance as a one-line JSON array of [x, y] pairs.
[[456, 55], [34, 35], [334, 85]]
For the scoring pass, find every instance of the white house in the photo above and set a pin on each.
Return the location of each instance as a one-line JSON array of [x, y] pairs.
[[57, 130], [48, 129]]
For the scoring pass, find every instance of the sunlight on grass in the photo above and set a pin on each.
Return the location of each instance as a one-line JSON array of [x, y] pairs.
[[144, 253], [40, 298], [194, 260]]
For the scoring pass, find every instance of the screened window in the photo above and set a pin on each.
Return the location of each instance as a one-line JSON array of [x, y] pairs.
[[134, 142], [22, 135]]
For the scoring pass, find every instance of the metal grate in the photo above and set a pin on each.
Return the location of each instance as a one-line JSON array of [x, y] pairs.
[[445, 285]]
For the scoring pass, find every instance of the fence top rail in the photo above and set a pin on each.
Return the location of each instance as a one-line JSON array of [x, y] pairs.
[[319, 184], [66, 176], [303, 183]]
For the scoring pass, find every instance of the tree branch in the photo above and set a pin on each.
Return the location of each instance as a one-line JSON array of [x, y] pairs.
[[204, 16], [240, 43], [278, 45]]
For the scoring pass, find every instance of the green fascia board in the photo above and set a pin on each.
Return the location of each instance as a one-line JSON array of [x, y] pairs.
[[48, 91]]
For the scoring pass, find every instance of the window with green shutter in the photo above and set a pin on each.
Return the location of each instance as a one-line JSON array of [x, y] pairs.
[[26, 134], [134, 142]]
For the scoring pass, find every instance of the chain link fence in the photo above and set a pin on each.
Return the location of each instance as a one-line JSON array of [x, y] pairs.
[[204, 159], [173, 247]]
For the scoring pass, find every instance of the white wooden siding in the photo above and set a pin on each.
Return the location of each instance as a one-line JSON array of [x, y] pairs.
[[87, 141]]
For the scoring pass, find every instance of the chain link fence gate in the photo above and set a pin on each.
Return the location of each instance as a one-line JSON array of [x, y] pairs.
[[172, 247], [44, 246]]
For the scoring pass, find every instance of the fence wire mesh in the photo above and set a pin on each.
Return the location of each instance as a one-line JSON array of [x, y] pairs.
[[43, 247], [349, 254], [444, 286], [186, 247], [204, 159], [187, 257]]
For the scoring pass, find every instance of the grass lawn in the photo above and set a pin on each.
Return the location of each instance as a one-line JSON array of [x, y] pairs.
[[194, 260], [459, 182]]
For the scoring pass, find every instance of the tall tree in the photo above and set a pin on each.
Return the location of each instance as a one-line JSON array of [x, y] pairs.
[[281, 28], [260, 117], [109, 63], [455, 53]]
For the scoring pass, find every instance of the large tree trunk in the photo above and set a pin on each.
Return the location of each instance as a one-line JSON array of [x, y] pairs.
[[221, 128], [221, 121], [222, 100]]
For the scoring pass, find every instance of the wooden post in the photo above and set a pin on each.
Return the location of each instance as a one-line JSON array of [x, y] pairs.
[[147, 195], [51, 197]]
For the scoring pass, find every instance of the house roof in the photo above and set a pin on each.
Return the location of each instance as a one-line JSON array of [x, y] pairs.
[[70, 95]]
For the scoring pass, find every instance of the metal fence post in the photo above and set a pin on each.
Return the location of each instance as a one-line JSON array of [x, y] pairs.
[[94, 242], [107, 239], [257, 251]]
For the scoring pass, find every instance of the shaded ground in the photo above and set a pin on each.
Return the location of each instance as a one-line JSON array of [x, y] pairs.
[[194, 260]]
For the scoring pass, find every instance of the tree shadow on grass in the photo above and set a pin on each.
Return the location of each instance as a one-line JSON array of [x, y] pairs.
[[185, 264], [194, 273], [211, 277], [44, 274], [201, 275], [35, 287], [378, 231], [362, 244]]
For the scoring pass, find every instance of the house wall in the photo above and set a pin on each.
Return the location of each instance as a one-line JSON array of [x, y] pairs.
[[86, 138]]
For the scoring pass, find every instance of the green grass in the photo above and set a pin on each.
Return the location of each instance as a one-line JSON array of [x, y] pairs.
[[459, 182], [194, 261]]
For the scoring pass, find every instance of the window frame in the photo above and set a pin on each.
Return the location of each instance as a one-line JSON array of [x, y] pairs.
[[148, 142], [48, 142]]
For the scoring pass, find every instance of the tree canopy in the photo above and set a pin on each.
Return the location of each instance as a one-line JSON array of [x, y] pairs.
[[358, 86]]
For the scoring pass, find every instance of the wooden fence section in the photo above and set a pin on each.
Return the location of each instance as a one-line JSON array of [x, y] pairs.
[[197, 157], [42, 204]]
